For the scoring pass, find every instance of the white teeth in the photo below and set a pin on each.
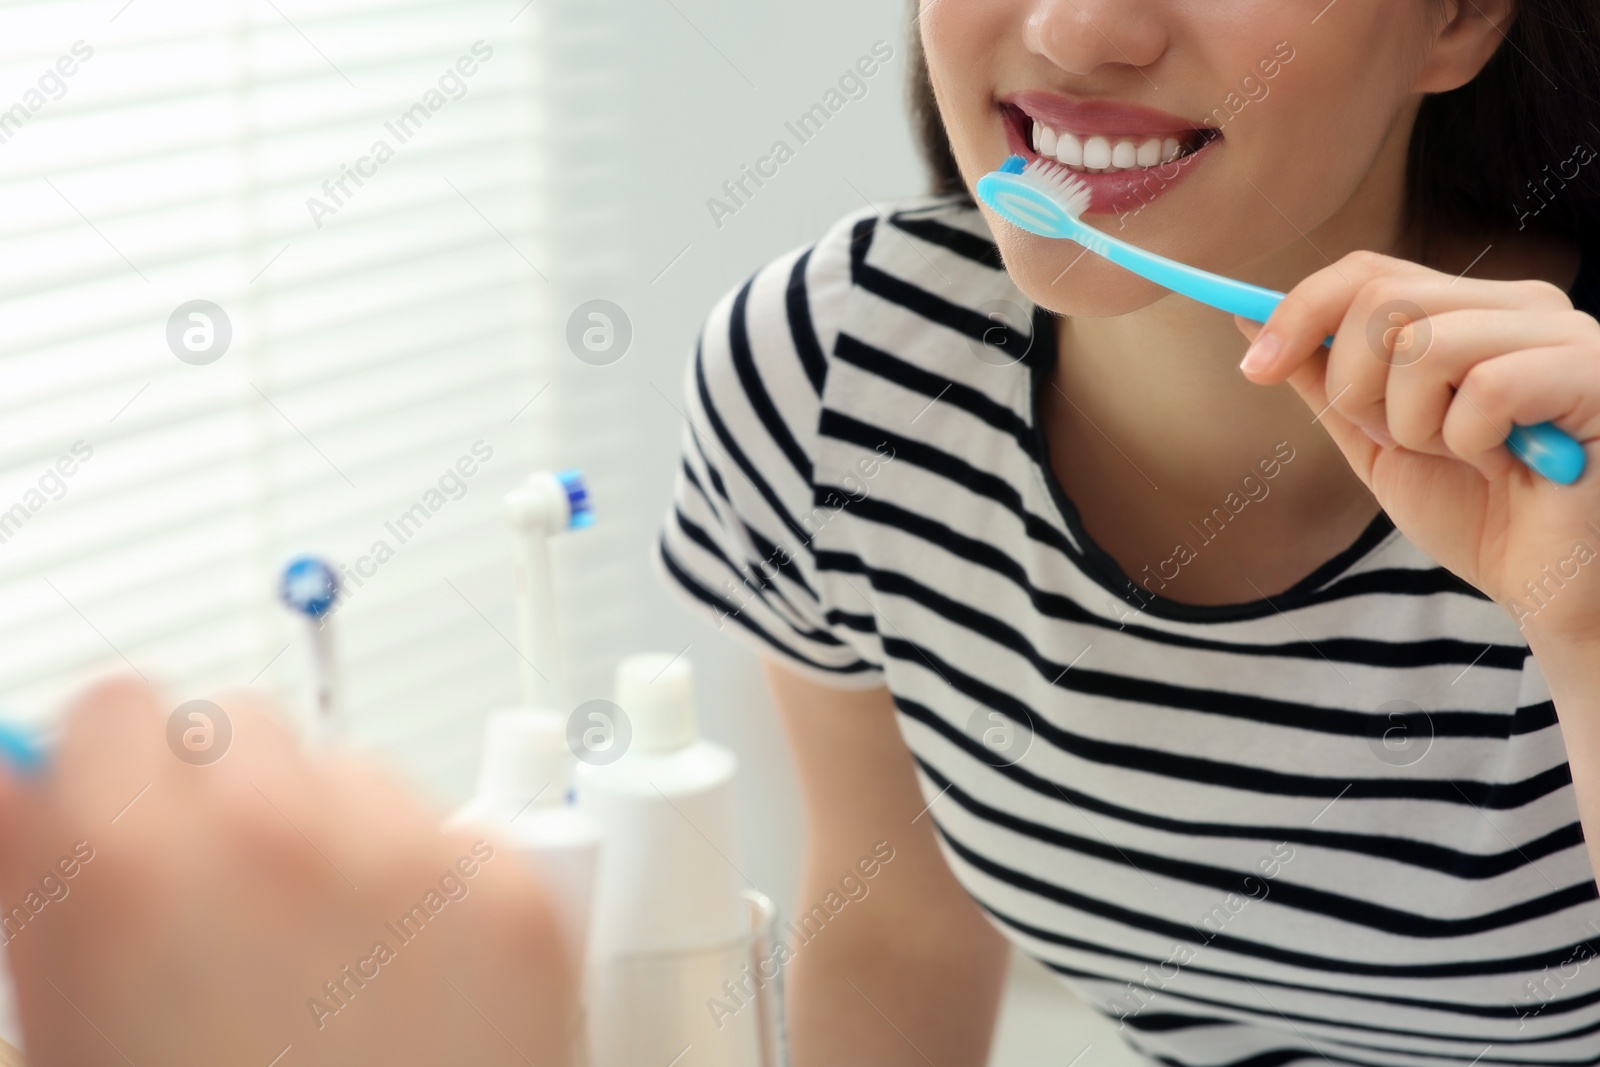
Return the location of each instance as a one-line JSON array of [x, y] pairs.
[[1069, 150], [1097, 153], [1100, 153]]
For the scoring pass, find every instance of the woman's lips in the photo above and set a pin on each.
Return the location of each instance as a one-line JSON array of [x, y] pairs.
[[1096, 116], [1120, 192]]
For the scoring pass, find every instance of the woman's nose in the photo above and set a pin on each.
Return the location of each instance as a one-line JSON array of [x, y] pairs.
[[1080, 36]]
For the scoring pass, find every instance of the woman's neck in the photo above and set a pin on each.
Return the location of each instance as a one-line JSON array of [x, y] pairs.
[[1163, 384], [1150, 423], [1159, 394]]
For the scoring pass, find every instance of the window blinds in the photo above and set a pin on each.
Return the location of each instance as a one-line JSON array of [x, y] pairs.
[[358, 193]]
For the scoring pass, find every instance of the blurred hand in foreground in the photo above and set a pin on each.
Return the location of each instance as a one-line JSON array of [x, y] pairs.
[[271, 906]]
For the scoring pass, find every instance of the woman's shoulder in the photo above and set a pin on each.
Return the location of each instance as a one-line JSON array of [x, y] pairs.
[[756, 383], [757, 486], [798, 301], [766, 345]]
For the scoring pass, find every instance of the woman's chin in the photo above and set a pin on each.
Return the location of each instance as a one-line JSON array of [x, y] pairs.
[[1062, 277]]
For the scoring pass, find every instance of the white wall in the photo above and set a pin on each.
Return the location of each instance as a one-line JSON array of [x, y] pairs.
[[695, 120]]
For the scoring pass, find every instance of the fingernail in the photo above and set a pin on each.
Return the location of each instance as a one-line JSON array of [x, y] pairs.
[[1261, 353], [1381, 437]]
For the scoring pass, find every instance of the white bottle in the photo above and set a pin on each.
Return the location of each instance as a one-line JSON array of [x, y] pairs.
[[667, 879], [672, 928], [523, 782]]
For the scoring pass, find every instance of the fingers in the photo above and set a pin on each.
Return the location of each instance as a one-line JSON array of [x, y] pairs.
[[228, 876], [1367, 299], [1312, 311], [1408, 340], [243, 732], [1359, 449], [1521, 388], [275, 804], [372, 824], [127, 753], [109, 750], [1414, 394], [114, 713]]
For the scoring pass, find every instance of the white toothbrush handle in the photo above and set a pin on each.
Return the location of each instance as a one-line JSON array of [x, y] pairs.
[[329, 720], [543, 678]]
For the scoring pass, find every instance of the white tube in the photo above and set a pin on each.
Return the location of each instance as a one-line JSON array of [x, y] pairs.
[[670, 920], [522, 792], [523, 783]]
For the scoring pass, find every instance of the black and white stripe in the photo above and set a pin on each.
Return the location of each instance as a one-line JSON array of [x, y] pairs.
[[1206, 827]]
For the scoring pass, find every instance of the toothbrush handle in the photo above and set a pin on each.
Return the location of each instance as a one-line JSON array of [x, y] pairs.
[[1225, 294], [1549, 450], [21, 750], [329, 721], [1545, 448], [544, 681]]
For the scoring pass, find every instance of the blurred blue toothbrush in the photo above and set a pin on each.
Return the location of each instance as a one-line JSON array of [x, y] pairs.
[[21, 748], [310, 588]]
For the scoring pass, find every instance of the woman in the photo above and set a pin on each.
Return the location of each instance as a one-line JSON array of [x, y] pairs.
[[1242, 697]]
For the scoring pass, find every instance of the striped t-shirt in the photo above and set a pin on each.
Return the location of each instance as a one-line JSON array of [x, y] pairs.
[[1333, 824]]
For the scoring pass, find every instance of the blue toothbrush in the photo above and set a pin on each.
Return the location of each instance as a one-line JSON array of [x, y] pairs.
[[21, 749], [1047, 199]]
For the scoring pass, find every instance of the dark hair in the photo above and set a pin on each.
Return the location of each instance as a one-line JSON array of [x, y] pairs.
[[1499, 150], [944, 177]]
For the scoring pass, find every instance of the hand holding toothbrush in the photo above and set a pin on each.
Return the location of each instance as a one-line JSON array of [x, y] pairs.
[[1424, 380], [1046, 198], [208, 907]]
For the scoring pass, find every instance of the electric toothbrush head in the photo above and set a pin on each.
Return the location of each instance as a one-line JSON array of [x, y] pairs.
[[309, 587], [579, 512], [544, 505], [549, 502]]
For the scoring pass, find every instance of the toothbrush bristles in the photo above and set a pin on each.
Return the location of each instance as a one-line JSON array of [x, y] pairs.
[[1062, 182]]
